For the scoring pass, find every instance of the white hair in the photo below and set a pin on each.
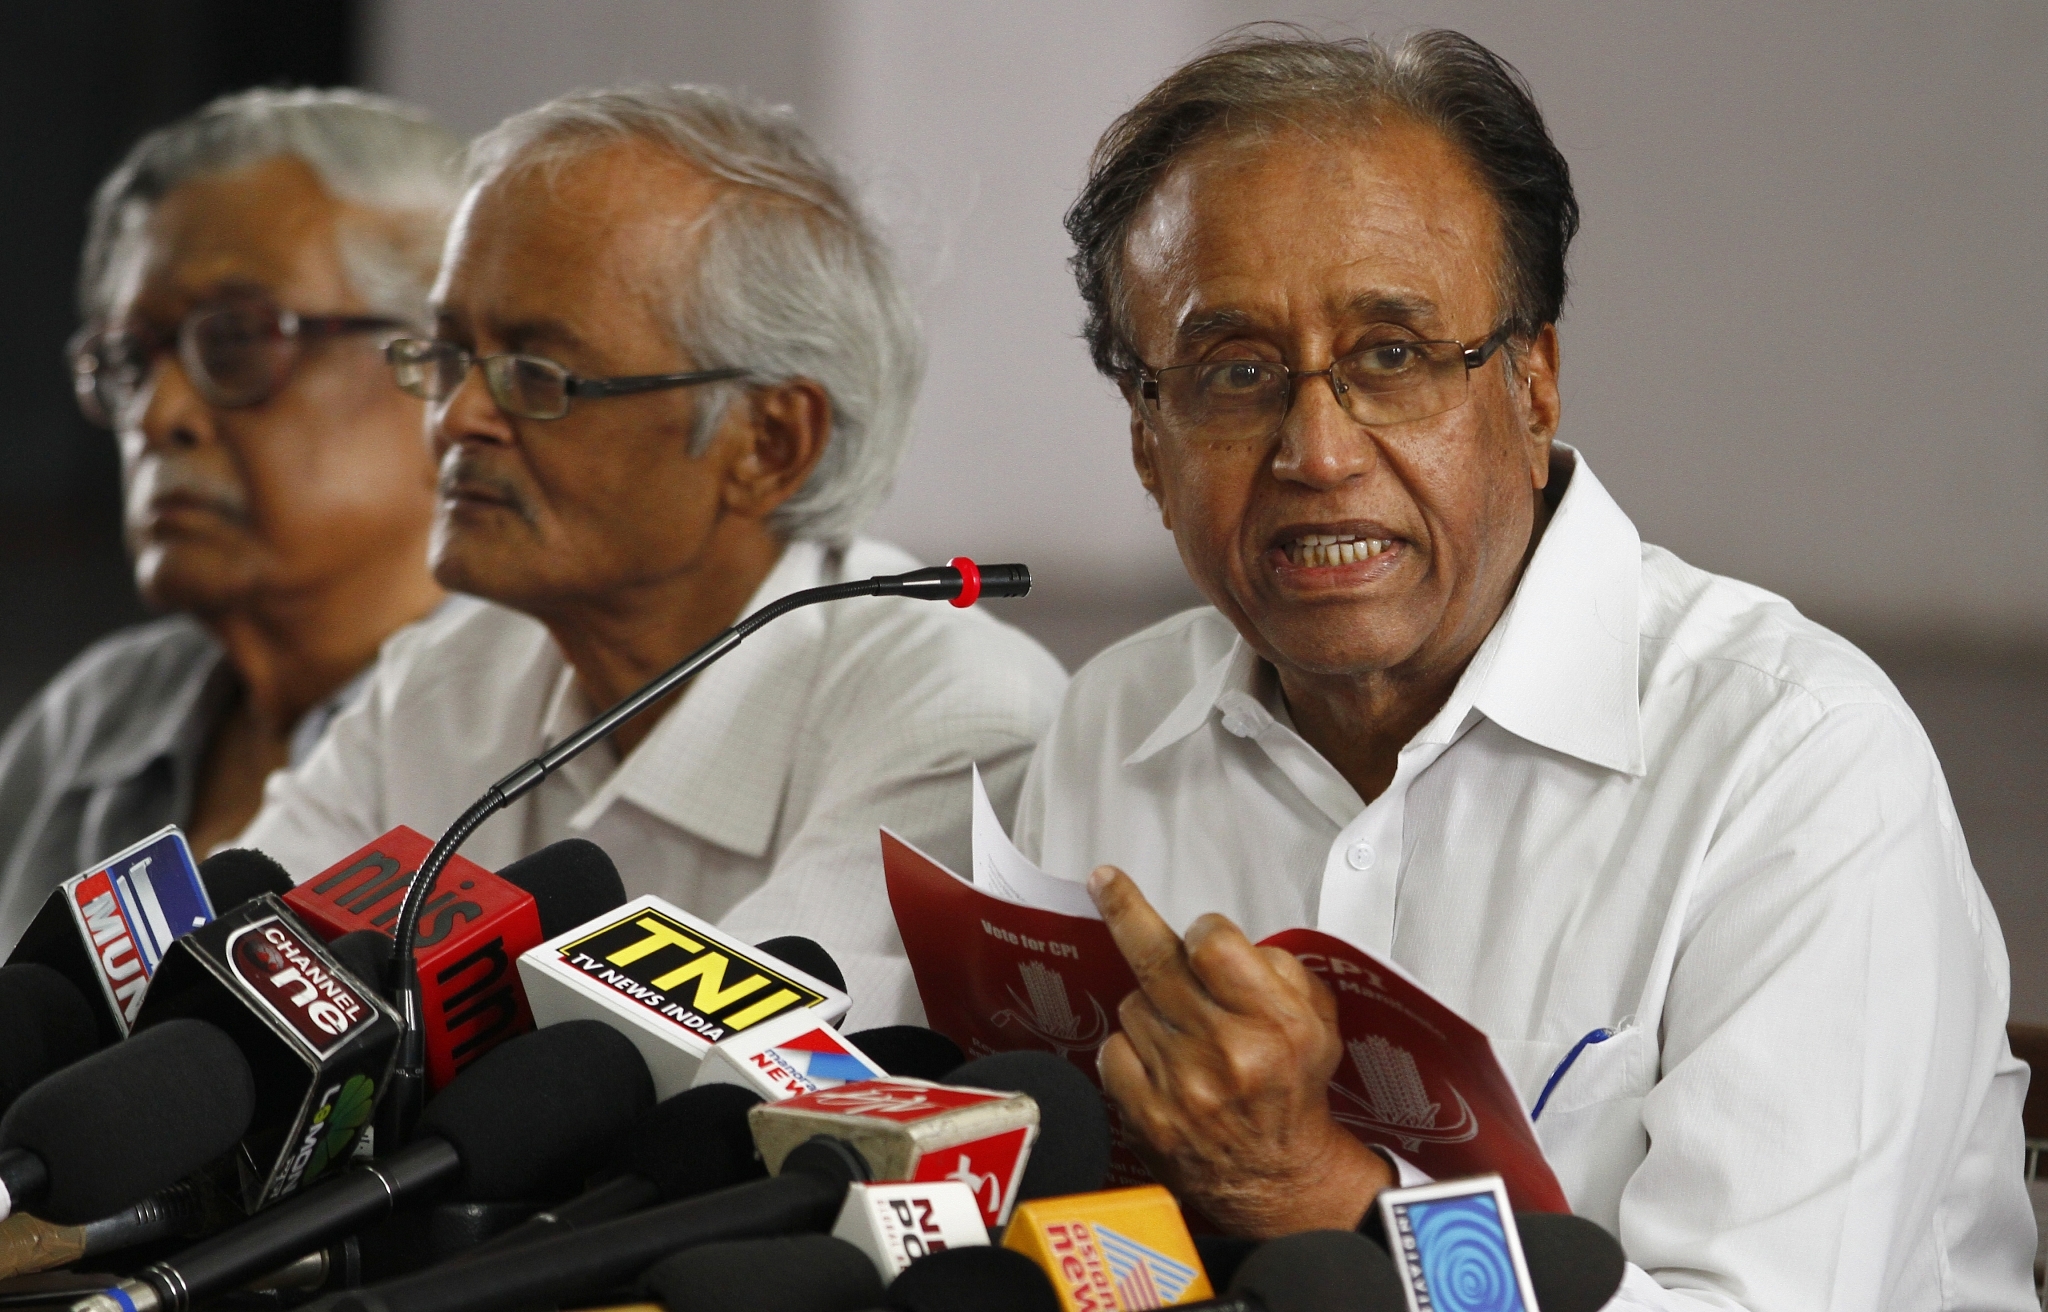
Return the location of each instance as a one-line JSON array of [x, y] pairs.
[[366, 150], [789, 278]]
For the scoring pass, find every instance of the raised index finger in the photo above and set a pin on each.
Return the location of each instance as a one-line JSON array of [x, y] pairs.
[[1149, 944]]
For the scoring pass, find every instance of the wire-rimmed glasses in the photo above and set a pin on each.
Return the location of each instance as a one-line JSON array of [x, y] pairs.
[[525, 386], [1393, 381], [238, 351]]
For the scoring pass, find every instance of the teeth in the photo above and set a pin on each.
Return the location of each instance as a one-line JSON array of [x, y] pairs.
[[1322, 549]]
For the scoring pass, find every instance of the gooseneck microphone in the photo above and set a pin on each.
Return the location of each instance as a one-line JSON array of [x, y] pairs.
[[960, 582]]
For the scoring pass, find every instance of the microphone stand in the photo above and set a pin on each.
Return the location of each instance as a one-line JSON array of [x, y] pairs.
[[960, 582]]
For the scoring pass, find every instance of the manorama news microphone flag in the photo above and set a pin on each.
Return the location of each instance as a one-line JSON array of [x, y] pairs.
[[997, 975]]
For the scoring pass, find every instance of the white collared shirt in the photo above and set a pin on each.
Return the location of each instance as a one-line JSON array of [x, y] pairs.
[[1660, 803], [755, 800]]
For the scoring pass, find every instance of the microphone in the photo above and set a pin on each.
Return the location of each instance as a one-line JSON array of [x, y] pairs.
[[106, 930], [233, 875], [470, 997], [1076, 1160], [806, 954], [1574, 1265], [786, 1057], [673, 983], [124, 1122], [796, 1273], [514, 1125], [1315, 1271], [693, 1143], [190, 1208], [318, 1040], [974, 1280], [806, 1196], [897, 1224], [911, 1050], [960, 581], [1119, 1248], [45, 1025]]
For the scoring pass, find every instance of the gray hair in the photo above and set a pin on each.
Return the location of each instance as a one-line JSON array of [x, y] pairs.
[[1251, 82], [789, 278], [366, 150]]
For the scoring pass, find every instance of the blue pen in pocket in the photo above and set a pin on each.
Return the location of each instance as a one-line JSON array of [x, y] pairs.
[[1550, 1085]]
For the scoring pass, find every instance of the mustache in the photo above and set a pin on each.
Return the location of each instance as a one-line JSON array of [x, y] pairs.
[[463, 475], [167, 477]]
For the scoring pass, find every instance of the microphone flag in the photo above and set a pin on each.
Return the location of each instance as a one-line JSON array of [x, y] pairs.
[[1120, 1250], [108, 929], [895, 1224], [672, 983], [786, 1056], [914, 1131], [471, 933], [319, 1042]]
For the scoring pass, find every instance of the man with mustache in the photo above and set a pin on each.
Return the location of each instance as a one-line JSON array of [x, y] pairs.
[[670, 377], [1685, 856], [243, 269]]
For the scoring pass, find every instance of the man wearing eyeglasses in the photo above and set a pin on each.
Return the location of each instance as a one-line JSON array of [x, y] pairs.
[[244, 269], [1683, 855], [669, 379]]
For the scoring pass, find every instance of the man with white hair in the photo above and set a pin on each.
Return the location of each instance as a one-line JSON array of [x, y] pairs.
[[244, 266], [670, 377]]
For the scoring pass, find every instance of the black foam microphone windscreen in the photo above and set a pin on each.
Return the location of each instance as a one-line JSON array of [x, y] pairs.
[[234, 875], [1321, 1271], [571, 881], [582, 1081], [983, 1279], [910, 1050], [45, 1025], [692, 1143], [1574, 1265], [795, 1273], [132, 1119], [807, 955], [364, 953], [1072, 1152]]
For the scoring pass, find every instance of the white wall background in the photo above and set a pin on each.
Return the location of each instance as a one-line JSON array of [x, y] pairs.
[[1804, 344]]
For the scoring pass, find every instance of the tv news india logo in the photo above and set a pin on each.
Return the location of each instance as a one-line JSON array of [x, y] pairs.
[[670, 969]]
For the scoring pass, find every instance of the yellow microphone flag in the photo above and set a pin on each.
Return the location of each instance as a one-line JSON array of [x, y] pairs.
[[1121, 1250]]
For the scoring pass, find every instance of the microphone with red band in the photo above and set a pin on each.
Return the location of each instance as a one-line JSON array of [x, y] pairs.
[[961, 582]]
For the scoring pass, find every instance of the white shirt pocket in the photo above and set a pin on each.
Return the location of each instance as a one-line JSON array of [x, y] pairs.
[[1591, 1128]]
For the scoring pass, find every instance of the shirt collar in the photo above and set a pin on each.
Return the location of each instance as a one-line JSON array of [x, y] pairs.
[[1558, 669], [718, 762]]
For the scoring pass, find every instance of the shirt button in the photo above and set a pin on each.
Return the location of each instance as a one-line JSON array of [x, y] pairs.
[[1359, 856]]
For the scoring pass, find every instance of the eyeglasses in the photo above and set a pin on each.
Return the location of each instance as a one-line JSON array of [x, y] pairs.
[[524, 386], [1385, 382], [237, 352]]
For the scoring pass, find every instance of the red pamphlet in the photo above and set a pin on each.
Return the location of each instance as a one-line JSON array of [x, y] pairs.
[[997, 974]]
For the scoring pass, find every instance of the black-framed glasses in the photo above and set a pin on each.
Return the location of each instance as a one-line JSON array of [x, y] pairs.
[[1392, 381], [237, 352], [525, 386]]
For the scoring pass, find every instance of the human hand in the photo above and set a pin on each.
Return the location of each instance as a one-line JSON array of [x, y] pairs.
[[1223, 1068]]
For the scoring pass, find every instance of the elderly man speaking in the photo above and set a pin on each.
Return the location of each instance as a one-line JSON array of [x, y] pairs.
[[1449, 706], [670, 376]]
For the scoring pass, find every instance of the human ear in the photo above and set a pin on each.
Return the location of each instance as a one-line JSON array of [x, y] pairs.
[[780, 435], [1536, 397], [1145, 456]]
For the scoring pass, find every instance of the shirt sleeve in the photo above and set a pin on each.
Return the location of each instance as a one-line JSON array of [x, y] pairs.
[[331, 803], [1835, 1083]]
